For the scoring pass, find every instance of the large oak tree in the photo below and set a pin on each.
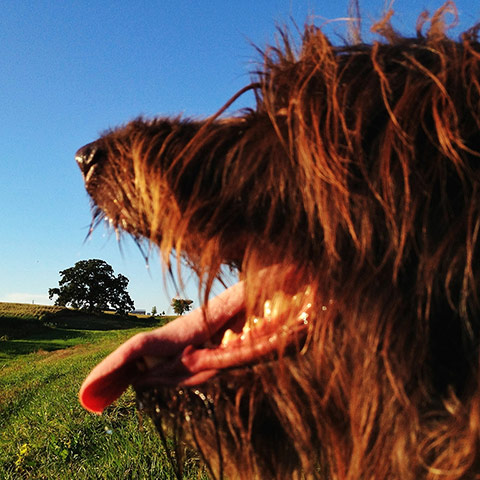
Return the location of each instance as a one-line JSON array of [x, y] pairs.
[[91, 285]]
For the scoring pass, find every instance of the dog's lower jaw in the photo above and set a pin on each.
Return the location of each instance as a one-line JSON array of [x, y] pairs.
[[232, 422]]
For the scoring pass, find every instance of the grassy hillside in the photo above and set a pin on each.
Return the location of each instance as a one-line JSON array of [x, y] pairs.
[[42, 318], [45, 353]]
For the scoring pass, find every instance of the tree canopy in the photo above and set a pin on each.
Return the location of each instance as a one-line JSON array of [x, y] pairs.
[[92, 285], [181, 305]]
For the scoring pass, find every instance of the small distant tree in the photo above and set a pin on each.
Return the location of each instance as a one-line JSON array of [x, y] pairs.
[[154, 311], [91, 285], [181, 305]]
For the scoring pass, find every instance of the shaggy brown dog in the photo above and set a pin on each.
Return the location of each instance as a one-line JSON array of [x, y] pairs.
[[349, 201]]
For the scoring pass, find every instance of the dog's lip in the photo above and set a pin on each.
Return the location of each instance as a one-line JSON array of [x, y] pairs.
[[179, 354]]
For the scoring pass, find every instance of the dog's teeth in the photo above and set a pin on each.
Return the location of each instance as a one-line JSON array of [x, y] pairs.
[[273, 338], [227, 336], [304, 317], [279, 305], [273, 308], [255, 322], [267, 310]]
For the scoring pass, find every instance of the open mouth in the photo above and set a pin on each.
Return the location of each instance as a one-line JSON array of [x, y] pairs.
[[190, 350]]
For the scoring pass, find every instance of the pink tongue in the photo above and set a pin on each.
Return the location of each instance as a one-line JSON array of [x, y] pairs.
[[111, 377]]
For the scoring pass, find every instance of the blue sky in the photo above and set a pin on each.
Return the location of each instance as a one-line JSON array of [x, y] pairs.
[[71, 69]]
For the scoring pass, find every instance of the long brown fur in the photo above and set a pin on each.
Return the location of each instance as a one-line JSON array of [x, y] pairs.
[[360, 166]]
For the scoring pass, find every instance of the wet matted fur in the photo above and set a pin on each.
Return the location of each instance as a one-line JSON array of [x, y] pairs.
[[354, 185]]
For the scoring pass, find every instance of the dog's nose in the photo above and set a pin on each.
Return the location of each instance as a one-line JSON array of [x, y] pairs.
[[88, 156]]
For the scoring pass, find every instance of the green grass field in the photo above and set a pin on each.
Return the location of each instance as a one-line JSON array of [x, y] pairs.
[[45, 353]]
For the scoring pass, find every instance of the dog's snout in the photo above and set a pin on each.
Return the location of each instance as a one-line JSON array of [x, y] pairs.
[[88, 156]]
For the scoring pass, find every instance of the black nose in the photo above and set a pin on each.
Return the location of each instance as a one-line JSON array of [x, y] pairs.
[[88, 156]]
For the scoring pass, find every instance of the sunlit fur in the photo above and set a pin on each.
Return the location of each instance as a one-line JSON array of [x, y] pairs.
[[359, 166]]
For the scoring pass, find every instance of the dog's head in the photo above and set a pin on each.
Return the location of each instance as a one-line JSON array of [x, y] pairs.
[[348, 201]]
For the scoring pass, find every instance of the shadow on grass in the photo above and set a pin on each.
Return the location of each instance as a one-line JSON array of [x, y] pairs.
[[62, 329], [48, 341]]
